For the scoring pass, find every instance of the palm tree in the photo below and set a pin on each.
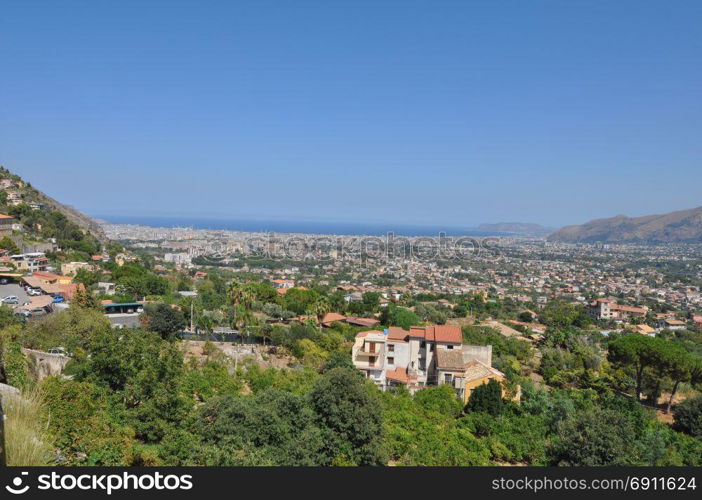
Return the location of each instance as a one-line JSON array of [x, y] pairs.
[[319, 309], [241, 297], [240, 294]]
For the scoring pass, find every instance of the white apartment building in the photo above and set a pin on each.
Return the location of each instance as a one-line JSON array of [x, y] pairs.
[[32, 262], [418, 357]]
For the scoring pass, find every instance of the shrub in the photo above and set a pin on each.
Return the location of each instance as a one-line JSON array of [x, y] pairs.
[[688, 416], [486, 398]]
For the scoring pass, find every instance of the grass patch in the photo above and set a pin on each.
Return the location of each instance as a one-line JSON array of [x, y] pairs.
[[27, 441]]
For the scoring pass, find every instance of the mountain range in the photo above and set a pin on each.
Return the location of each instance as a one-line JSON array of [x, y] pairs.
[[680, 226]]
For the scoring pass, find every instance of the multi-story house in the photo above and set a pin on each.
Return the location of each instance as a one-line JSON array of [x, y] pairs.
[[14, 198], [423, 356], [6, 222], [32, 262], [368, 354], [609, 309]]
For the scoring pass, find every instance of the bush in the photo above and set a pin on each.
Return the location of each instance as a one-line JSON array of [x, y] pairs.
[[486, 398], [272, 427], [163, 319], [85, 423], [350, 416], [14, 366], [688, 416]]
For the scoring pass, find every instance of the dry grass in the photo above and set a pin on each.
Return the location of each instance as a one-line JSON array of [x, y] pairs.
[[26, 438]]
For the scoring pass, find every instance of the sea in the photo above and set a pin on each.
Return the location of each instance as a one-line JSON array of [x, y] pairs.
[[297, 227]]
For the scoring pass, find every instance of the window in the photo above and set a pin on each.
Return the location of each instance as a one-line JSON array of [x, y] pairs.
[[391, 347], [371, 360], [422, 344], [391, 361], [449, 347], [448, 377]]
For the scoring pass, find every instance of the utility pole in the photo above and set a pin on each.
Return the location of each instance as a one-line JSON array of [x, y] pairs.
[[192, 328]]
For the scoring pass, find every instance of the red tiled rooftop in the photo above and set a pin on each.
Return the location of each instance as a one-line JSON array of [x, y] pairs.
[[399, 375], [332, 317], [438, 333], [397, 334]]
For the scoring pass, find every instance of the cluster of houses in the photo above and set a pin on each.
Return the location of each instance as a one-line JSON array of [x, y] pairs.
[[13, 190], [609, 309], [424, 356]]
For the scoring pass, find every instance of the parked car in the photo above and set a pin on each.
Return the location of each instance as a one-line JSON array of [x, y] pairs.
[[57, 350], [11, 299], [33, 312], [58, 299], [4, 281], [33, 292]]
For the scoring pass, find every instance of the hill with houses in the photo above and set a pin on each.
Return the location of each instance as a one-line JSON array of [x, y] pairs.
[[30, 219]]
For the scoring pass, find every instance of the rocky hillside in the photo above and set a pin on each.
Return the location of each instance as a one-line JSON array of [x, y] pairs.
[[681, 226], [41, 215]]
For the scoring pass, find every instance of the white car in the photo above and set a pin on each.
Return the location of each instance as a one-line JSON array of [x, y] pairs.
[[33, 292], [11, 299]]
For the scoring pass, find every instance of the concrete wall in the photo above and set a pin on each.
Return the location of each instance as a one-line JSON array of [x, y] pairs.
[[45, 364], [401, 355], [482, 353]]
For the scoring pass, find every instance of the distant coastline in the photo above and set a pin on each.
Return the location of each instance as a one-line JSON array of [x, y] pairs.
[[305, 227]]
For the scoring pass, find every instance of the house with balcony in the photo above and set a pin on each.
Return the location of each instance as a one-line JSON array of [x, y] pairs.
[[368, 354], [32, 262], [423, 356], [609, 309]]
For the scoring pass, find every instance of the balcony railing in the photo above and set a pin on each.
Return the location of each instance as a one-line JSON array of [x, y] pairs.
[[365, 365], [378, 351]]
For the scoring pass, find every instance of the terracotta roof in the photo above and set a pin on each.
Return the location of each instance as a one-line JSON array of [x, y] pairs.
[[399, 375], [449, 359], [397, 334], [674, 322], [362, 321], [475, 370], [50, 276], [438, 333], [37, 302], [644, 329], [69, 290], [617, 307], [33, 282], [331, 317]]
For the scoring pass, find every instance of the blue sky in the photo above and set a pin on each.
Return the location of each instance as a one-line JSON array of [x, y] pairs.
[[414, 112]]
